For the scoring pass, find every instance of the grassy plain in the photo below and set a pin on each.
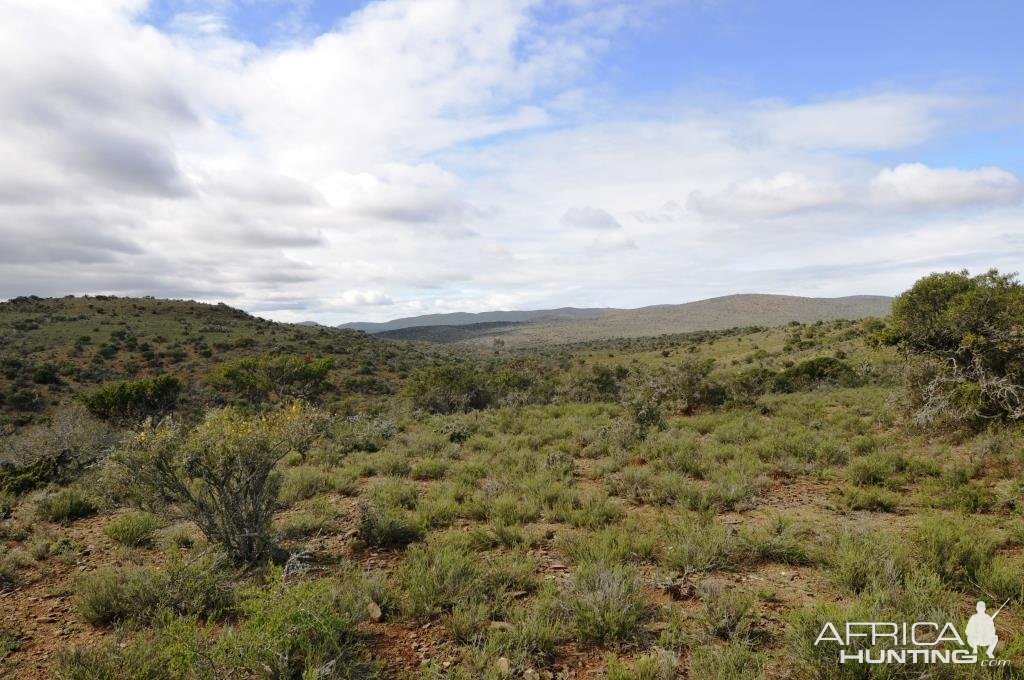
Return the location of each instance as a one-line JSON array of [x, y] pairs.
[[534, 540]]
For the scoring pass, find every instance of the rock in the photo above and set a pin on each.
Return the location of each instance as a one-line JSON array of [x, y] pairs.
[[373, 609], [504, 667], [530, 674]]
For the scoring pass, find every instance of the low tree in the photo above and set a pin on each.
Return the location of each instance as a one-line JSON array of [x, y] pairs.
[[129, 400], [259, 380], [449, 388], [222, 474], [963, 337]]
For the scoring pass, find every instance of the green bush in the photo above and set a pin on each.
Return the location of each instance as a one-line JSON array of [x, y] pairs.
[[450, 388], [134, 529], [384, 527], [814, 373], [266, 379], [134, 399], [961, 335], [142, 595], [65, 505], [56, 452], [303, 630], [222, 474], [604, 604]]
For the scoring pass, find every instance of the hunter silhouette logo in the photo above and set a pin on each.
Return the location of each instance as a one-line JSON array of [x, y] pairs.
[[981, 630], [888, 642]]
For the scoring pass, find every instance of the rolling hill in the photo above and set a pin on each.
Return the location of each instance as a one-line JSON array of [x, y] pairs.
[[597, 324], [467, 318]]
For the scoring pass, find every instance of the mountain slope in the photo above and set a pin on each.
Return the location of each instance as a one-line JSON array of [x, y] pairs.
[[712, 314], [467, 318]]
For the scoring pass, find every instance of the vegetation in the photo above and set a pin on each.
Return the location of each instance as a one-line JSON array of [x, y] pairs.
[[692, 505]]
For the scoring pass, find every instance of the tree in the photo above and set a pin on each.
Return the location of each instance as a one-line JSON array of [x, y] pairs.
[[134, 399], [963, 337], [261, 380], [222, 474], [449, 388]]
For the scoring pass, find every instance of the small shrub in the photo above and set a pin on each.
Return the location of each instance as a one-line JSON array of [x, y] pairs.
[[135, 529], [661, 664], [385, 527], [733, 661], [142, 594], [134, 399], [872, 499], [724, 612], [428, 468], [221, 474], [604, 604], [437, 578], [451, 388], [300, 483], [65, 505]]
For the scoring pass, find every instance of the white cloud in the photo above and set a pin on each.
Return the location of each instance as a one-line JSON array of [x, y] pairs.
[[916, 184], [781, 194], [587, 217], [879, 121], [429, 156]]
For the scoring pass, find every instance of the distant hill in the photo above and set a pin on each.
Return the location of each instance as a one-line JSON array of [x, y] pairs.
[[467, 318], [712, 314]]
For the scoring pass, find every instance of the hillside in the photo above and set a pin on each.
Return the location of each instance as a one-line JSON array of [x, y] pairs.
[[467, 318], [54, 348], [713, 314]]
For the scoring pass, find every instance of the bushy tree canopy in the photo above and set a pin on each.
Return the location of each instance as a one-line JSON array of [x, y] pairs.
[[964, 336]]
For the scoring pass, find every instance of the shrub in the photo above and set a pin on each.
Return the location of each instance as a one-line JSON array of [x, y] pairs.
[[134, 529], [134, 399], [724, 613], [604, 604], [142, 594], [436, 578], [266, 379], [386, 527], [221, 474], [303, 630], [301, 483], [733, 661], [814, 373], [65, 505], [660, 664], [961, 335], [950, 549], [450, 388], [56, 452]]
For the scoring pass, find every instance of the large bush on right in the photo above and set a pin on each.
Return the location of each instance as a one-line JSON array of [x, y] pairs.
[[963, 337]]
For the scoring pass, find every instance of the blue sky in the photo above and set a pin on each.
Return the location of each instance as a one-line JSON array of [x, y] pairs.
[[365, 160]]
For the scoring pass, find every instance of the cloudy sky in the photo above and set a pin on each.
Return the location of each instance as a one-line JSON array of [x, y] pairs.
[[340, 160]]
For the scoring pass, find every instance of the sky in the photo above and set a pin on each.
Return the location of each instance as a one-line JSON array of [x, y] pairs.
[[348, 160]]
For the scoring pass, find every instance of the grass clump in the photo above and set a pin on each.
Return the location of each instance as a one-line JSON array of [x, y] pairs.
[[732, 661], [142, 594], [134, 529], [65, 505], [725, 611], [383, 527], [604, 604]]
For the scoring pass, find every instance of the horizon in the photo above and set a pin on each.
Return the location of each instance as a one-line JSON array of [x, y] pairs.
[[370, 161]]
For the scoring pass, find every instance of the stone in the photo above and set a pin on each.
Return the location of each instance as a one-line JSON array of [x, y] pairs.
[[504, 667]]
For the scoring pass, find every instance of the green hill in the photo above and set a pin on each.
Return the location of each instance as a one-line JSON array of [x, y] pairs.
[[54, 348], [713, 314]]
